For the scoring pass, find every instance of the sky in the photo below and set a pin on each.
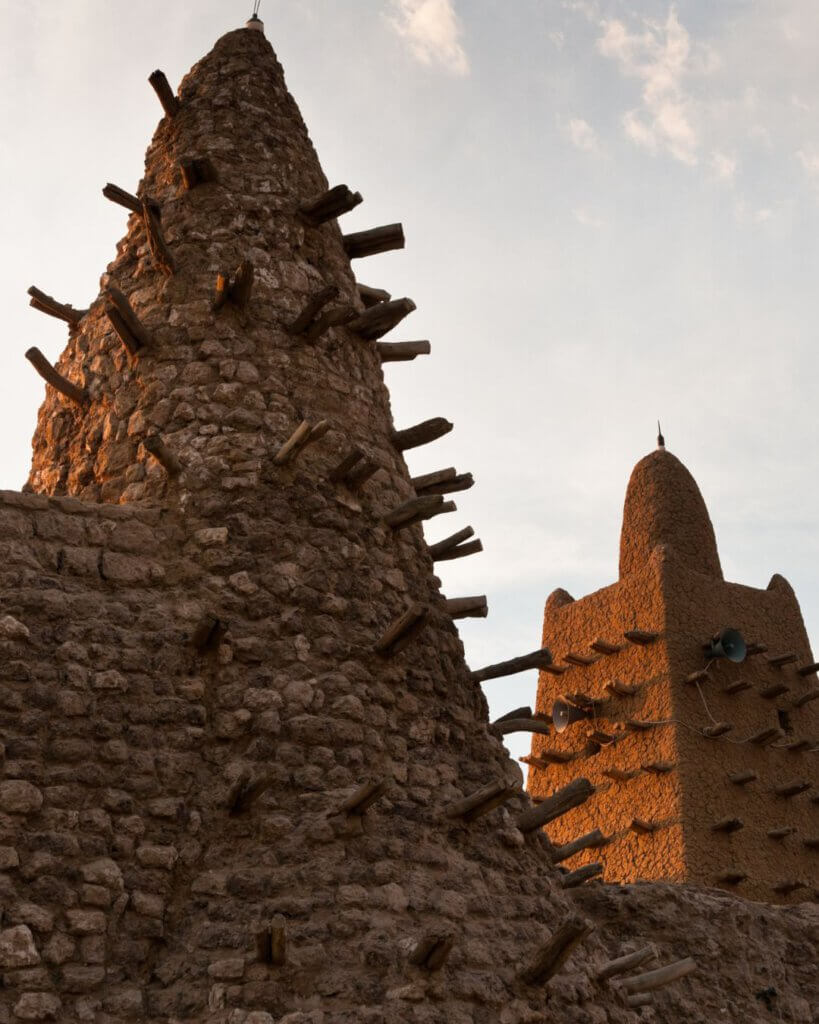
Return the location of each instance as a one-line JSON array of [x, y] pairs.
[[612, 216]]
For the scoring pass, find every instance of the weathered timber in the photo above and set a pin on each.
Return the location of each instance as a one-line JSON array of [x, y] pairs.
[[277, 955], [156, 240], [545, 758], [315, 304], [372, 296], [640, 999], [422, 433], [728, 825], [781, 833], [525, 712], [806, 698], [605, 647], [556, 951], [378, 320], [808, 670], [441, 548], [361, 473], [619, 775], [244, 792], [122, 198], [787, 886], [591, 840], [197, 171], [432, 951], [304, 435], [403, 631], [753, 649], [461, 482], [409, 511], [363, 798], [482, 801], [581, 875], [61, 311], [460, 551], [467, 607], [374, 241], [698, 677], [537, 659], [241, 286], [640, 637], [798, 745], [659, 767], [743, 778], [642, 827], [621, 689], [510, 725], [636, 725], [347, 463], [55, 379], [560, 803], [156, 447], [440, 476], [718, 729], [811, 843], [330, 318], [402, 351], [738, 686], [584, 701], [330, 204], [733, 876], [209, 633], [652, 980], [125, 322], [626, 963], [789, 789], [161, 86], [580, 660], [767, 736], [778, 660], [774, 690], [220, 293]]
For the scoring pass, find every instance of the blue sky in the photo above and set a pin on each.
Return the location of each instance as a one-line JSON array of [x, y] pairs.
[[611, 215]]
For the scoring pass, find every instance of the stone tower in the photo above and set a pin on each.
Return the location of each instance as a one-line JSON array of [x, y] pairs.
[[703, 766], [246, 776]]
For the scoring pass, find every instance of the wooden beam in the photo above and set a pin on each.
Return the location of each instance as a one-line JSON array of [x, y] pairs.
[[403, 631], [467, 607], [701, 676], [60, 311], [738, 686], [642, 827], [733, 876], [378, 320], [241, 286], [330, 204], [799, 744], [170, 103], [591, 840], [728, 825], [443, 546], [361, 473], [778, 660], [363, 798], [580, 660], [788, 886], [652, 980], [718, 729], [461, 551], [273, 942], [767, 736], [197, 171], [126, 323], [305, 434], [626, 963], [555, 806], [402, 351], [157, 448], [372, 296], [789, 789], [156, 240], [537, 659], [620, 689], [534, 725], [640, 637], [440, 476], [422, 433], [545, 758], [744, 777], [806, 698], [811, 843], [781, 833], [808, 670], [581, 875], [605, 647], [619, 775], [482, 801], [208, 633], [556, 951], [774, 690], [55, 379], [659, 767], [374, 241], [753, 649], [432, 951], [525, 712], [415, 510], [330, 318], [315, 304], [347, 463], [122, 198]]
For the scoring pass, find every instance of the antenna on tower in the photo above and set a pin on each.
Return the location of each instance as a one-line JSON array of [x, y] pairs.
[[255, 21], [660, 438]]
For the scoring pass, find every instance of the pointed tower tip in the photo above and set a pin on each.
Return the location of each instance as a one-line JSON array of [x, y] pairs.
[[660, 438], [255, 23]]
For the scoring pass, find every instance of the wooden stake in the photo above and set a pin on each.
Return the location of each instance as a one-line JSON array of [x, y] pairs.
[[618, 775], [209, 633], [753, 649], [798, 745], [462, 482], [329, 205], [789, 886], [422, 433], [360, 474], [767, 736], [556, 951], [591, 840], [125, 322], [778, 660], [482, 801], [624, 964], [45, 304], [736, 687], [305, 434], [576, 878], [781, 833], [461, 551], [331, 318], [122, 198], [443, 546], [808, 670], [156, 240], [372, 296], [432, 951], [728, 825], [314, 306], [743, 778], [156, 447], [55, 379], [774, 690], [378, 320], [604, 647], [537, 659], [170, 104], [363, 798], [272, 942], [659, 767], [467, 607], [720, 729], [525, 712], [403, 631], [374, 241], [197, 171], [790, 789], [811, 843], [732, 877], [241, 287], [640, 637], [643, 827], [580, 660], [510, 725], [546, 758], [555, 806], [698, 677], [640, 999], [346, 464], [413, 510], [652, 980], [806, 698], [402, 351], [441, 476], [620, 689]]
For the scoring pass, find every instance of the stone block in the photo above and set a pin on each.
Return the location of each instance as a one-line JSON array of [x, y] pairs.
[[38, 1006], [19, 797], [17, 948]]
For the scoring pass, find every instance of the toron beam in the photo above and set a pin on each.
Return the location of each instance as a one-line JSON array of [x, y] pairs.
[[604, 647], [441, 476], [697, 677], [642, 827], [517, 713], [403, 631], [413, 510], [537, 659], [811, 843], [122, 198], [511, 725], [640, 637], [728, 825], [546, 758], [582, 875], [640, 999], [374, 241], [361, 473], [798, 745], [662, 976], [363, 798], [789, 789], [618, 775], [659, 767], [462, 482], [808, 670], [743, 778], [778, 660], [314, 306], [753, 649], [156, 447], [781, 833], [787, 887], [432, 951], [125, 322], [579, 660], [624, 964], [272, 943], [372, 296], [422, 433], [55, 379], [718, 729], [623, 689], [304, 435], [329, 205], [347, 463], [242, 285], [556, 951], [330, 318], [402, 351], [767, 736], [591, 840], [197, 171], [482, 801], [170, 104], [61, 311], [208, 634], [806, 698], [774, 690], [460, 551], [439, 549], [732, 877], [378, 320], [566, 799], [467, 607], [738, 686], [156, 240]]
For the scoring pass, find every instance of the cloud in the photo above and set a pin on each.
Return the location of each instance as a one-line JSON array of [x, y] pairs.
[[432, 29], [810, 163], [723, 166], [583, 135], [588, 220]]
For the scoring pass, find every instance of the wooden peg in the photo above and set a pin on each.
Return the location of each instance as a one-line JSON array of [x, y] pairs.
[[619, 775], [580, 660], [461, 551], [510, 725], [361, 473], [443, 546], [806, 698], [788, 886], [372, 296], [133, 335], [753, 649], [640, 637], [556, 951], [238, 290], [652, 980], [314, 306], [620, 689], [432, 951], [808, 670], [305, 434], [56, 380], [555, 806], [156, 240], [732, 877], [605, 647], [244, 792], [413, 511], [575, 878], [637, 725], [209, 633], [156, 447], [467, 607], [331, 318], [794, 788], [378, 320], [811, 843], [779, 660], [330, 204], [718, 729], [743, 778], [170, 103], [439, 477], [546, 758], [272, 942], [460, 482], [403, 631], [640, 999], [482, 801], [697, 677], [537, 659], [422, 433], [728, 825], [402, 351], [774, 690], [659, 767], [781, 833], [197, 171], [767, 736], [799, 744], [363, 798], [122, 198], [738, 686], [61, 311], [591, 840], [626, 963], [642, 827], [374, 241], [347, 463]]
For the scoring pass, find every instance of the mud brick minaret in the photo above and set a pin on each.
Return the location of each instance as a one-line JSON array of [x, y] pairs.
[[702, 766]]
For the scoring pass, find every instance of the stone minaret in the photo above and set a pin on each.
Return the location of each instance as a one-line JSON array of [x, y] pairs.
[[702, 765]]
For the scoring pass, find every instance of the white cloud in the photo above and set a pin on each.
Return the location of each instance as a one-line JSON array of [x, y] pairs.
[[583, 135], [810, 162], [588, 220], [432, 29], [723, 166]]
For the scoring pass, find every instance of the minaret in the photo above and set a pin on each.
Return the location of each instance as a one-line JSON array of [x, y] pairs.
[[700, 761]]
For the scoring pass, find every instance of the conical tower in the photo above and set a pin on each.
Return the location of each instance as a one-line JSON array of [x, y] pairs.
[[248, 775]]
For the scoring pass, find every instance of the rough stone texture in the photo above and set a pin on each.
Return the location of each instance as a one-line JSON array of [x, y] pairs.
[[671, 584], [164, 803]]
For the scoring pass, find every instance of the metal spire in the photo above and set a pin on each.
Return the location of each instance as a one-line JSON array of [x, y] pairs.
[[660, 438], [255, 21]]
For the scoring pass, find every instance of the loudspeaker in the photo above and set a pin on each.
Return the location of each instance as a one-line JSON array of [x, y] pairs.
[[563, 715], [730, 644]]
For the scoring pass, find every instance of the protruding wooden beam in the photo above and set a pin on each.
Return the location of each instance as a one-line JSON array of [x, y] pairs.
[[329, 205], [778, 660], [133, 335], [439, 550], [361, 473], [537, 659], [240, 288], [156, 240], [556, 951], [209, 633], [272, 942], [432, 951], [619, 775], [640, 999], [244, 792], [315, 304], [56, 380], [781, 833], [533, 725], [402, 351], [626, 963], [786, 887], [738, 686], [156, 447], [363, 798], [591, 840], [798, 745], [640, 637], [545, 758], [812, 843], [789, 789], [122, 198], [582, 875], [460, 482], [642, 827], [697, 677], [659, 767], [403, 631], [482, 801], [378, 320], [733, 876], [330, 318], [753, 649], [197, 171], [422, 433], [415, 510], [806, 698], [305, 434], [580, 660], [637, 725], [728, 825], [808, 670], [774, 690], [372, 296], [461, 551], [605, 647], [560, 803], [718, 729], [744, 777], [161, 86], [440, 476], [375, 241], [525, 712], [59, 310], [621, 689], [350, 460], [467, 607], [767, 736], [652, 980]]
